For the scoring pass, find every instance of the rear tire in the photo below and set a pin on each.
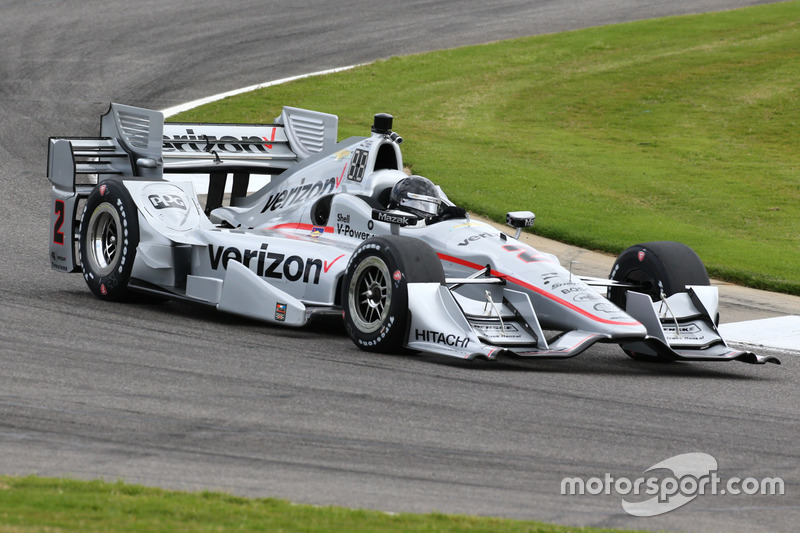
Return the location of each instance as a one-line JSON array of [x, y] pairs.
[[109, 235], [660, 267], [375, 289]]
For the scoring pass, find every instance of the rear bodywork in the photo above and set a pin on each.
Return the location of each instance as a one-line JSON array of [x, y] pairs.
[[279, 253]]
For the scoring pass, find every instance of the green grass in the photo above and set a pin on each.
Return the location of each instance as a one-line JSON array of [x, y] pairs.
[[42, 504], [684, 128]]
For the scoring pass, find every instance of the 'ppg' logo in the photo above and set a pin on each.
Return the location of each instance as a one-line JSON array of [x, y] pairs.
[[167, 201]]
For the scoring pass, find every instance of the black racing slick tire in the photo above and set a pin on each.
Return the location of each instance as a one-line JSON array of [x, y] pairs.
[[660, 266], [375, 289], [109, 235], [657, 267]]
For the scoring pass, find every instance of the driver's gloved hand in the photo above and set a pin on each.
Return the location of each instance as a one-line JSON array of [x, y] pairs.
[[448, 212]]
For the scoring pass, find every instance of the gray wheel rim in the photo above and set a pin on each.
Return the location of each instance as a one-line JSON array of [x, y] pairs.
[[370, 295], [105, 238]]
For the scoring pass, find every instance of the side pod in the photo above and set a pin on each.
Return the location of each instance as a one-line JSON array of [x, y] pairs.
[[245, 293]]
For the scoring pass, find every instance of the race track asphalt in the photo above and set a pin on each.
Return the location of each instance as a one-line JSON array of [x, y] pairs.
[[181, 397]]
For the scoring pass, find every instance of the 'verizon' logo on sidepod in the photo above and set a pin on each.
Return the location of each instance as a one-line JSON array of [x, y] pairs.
[[271, 264]]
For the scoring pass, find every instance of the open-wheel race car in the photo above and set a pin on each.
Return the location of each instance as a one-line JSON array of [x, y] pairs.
[[339, 228]]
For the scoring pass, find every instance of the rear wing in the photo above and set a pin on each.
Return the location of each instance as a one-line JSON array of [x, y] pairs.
[[135, 143], [262, 148]]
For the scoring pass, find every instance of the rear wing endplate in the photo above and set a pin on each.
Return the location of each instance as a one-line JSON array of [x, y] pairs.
[[129, 145]]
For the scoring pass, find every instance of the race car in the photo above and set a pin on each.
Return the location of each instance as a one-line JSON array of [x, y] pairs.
[[339, 228]]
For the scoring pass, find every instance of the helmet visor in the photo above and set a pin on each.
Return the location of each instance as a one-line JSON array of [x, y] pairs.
[[421, 202]]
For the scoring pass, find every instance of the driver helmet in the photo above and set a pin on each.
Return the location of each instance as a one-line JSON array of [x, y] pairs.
[[416, 195]]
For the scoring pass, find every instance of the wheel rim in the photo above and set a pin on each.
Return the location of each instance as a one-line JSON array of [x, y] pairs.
[[649, 285], [105, 238], [370, 295]]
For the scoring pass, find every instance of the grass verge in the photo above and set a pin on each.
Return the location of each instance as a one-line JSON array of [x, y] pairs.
[[29, 504], [682, 128]]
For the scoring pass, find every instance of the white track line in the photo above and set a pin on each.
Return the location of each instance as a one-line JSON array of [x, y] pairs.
[[190, 105], [782, 333]]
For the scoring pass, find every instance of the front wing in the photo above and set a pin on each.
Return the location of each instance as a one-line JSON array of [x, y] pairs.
[[439, 325]]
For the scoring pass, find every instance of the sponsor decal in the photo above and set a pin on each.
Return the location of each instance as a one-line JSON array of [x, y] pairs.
[[369, 246], [316, 231], [565, 284], [280, 312], [448, 339], [55, 257], [689, 328], [397, 276], [685, 332], [640, 255], [384, 331], [305, 191], [478, 237], [605, 307], [494, 331], [517, 222], [572, 289], [103, 189], [469, 225], [103, 289], [393, 218], [167, 201], [271, 265], [341, 155], [226, 143], [347, 231], [496, 327], [586, 296]]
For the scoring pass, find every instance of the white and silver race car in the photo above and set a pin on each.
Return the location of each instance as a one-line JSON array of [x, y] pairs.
[[339, 228]]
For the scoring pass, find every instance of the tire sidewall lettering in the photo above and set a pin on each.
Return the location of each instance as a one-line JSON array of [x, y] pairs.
[[113, 194]]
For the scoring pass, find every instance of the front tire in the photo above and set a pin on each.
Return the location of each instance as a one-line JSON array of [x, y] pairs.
[[660, 266], [375, 289], [657, 267], [109, 235]]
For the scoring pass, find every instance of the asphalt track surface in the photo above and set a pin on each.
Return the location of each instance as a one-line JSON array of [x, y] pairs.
[[181, 397]]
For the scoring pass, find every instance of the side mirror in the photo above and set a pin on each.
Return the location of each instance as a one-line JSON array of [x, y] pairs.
[[519, 220]]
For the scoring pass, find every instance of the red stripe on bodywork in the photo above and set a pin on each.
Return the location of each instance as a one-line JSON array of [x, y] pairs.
[[537, 290], [298, 226]]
